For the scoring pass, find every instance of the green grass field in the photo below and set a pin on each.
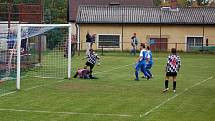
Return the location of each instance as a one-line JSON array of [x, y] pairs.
[[115, 96]]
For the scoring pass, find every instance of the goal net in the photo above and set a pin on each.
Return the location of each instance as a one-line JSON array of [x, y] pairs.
[[34, 53]]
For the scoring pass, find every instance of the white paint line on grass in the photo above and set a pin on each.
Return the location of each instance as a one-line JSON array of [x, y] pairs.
[[27, 89], [43, 77], [115, 68], [5, 94], [43, 85], [30, 88], [173, 97], [67, 113]]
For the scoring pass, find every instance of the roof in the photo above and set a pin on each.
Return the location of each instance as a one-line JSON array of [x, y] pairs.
[[73, 4], [145, 15]]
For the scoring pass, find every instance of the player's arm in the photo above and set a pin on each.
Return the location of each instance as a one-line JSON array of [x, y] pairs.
[[87, 56], [167, 64], [97, 57], [139, 58], [178, 63]]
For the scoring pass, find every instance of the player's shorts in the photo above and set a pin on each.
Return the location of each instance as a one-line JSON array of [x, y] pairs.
[[172, 74], [139, 65], [149, 65], [90, 65]]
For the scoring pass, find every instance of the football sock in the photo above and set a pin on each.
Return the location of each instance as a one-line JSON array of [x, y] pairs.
[[166, 84], [75, 75], [136, 74], [174, 85]]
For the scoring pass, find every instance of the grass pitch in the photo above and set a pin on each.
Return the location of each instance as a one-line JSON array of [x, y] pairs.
[[115, 96]]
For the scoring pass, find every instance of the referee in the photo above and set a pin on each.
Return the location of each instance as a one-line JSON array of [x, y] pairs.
[[91, 61]]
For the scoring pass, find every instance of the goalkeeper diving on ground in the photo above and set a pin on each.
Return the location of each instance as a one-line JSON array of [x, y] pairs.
[[92, 59]]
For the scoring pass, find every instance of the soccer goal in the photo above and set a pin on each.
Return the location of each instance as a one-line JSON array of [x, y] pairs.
[[35, 51]]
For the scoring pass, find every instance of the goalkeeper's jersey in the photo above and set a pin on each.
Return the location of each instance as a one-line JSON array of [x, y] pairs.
[[173, 64]]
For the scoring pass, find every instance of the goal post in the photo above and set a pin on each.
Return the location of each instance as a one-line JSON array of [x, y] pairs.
[[20, 36]]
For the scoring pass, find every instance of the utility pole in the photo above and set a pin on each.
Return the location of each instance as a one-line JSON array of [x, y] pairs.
[[9, 8]]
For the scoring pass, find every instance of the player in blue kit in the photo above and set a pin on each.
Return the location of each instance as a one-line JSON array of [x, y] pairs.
[[149, 62], [141, 62]]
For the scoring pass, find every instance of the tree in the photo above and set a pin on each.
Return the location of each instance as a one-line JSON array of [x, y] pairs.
[[55, 11], [156, 2], [202, 2], [182, 3]]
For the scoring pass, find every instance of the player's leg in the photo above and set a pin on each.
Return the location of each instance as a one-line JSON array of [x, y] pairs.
[[132, 50], [137, 68], [91, 70], [87, 47], [135, 49], [166, 82], [148, 67], [144, 70], [76, 74], [174, 83]]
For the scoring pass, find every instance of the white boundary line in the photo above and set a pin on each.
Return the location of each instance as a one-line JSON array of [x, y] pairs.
[[115, 68], [7, 93], [43, 85], [171, 98], [46, 77], [60, 81], [27, 89], [67, 113]]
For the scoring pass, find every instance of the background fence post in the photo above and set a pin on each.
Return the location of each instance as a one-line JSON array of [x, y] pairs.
[[102, 50], [176, 46]]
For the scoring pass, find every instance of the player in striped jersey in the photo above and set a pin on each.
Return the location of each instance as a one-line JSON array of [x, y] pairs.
[[172, 68], [92, 58]]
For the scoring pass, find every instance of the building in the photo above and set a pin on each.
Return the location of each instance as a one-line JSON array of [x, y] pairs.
[[163, 28], [74, 4]]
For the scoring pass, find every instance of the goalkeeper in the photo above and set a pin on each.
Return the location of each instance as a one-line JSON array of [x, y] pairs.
[[82, 73]]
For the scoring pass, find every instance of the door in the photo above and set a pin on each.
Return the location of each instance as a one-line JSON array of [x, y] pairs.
[[158, 44]]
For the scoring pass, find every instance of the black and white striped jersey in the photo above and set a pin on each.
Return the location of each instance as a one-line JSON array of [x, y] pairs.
[[173, 63], [92, 58]]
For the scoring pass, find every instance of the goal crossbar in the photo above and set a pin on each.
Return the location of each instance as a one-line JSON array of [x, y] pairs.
[[19, 39]]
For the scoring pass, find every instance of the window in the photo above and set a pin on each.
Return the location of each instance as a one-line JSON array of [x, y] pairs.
[[194, 42], [108, 41]]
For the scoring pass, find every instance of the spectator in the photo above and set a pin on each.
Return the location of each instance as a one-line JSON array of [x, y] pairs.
[[73, 46], [93, 40], [88, 42], [134, 43]]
